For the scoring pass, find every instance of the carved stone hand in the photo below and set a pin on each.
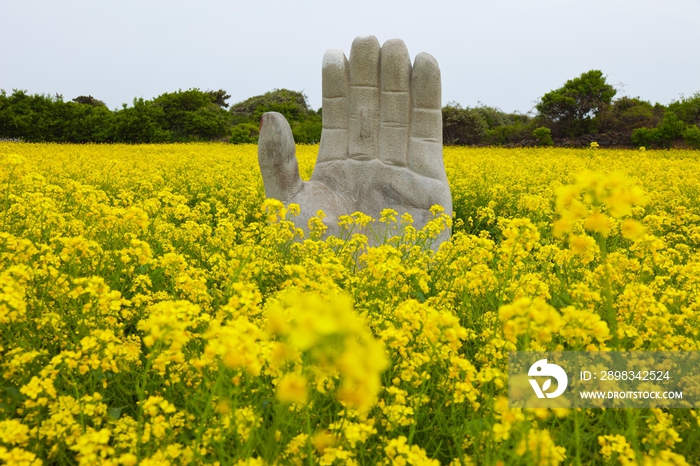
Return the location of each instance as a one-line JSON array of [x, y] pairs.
[[381, 145]]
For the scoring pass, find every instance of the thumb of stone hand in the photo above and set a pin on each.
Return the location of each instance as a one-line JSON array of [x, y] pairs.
[[277, 158]]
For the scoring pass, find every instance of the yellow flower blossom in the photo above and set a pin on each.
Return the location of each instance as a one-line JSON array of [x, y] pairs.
[[540, 448], [293, 389]]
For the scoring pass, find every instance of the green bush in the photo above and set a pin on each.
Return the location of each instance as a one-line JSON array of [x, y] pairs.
[[494, 117], [644, 137], [45, 118], [291, 104], [462, 126], [193, 115], [687, 109], [245, 133], [27, 117], [520, 128], [86, 122], [308, 130], [669, 129], [306, 124], [628, 113], [692, 136], [143, 122], [543, 136]]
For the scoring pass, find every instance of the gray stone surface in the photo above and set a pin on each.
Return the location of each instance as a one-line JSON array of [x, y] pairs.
[[381, 145]]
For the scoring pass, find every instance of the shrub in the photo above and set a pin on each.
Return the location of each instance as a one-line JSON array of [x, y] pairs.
[[644, 137], [245, 133], [293, 105], [194, 115], [143, 122], [670, 128], [29, 117], [520, 128], [543, 136], [687, 109], [308, 130], [44, 118], [494, 117], [86, 122], [628, 113], [462, 126], [692, 136]]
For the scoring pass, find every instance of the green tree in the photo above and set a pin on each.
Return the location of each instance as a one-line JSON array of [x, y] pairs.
[[29, 117], [245, 133], [219, 97], [292, 104], [573, 109], [306, 124], [687, 109], [142, 122], [494, 117], [45, 118], [671, 127], [86, 122], [462, 126], [193, 115], [628, 113], [308, 130], [89, 100]]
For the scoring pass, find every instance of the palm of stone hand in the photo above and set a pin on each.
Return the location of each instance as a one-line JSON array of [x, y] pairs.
[[381, 145]]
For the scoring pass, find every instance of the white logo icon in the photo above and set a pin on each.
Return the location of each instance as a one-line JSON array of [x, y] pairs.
[[542, 369]]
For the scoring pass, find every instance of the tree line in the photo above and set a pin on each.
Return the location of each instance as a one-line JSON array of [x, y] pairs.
[[585, 105], [182, 116]]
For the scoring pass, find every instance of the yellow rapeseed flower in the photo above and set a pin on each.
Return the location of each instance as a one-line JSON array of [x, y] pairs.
[[293, 389]]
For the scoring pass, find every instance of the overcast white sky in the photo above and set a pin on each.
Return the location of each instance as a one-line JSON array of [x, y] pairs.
[[504, 53]]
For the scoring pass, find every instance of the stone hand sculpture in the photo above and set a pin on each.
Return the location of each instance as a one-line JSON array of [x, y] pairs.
[[381, 145]]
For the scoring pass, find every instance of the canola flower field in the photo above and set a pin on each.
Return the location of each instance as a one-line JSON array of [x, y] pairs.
[[155, 309]]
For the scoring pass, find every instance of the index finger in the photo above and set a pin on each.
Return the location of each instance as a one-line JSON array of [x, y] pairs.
[[334, 113]]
